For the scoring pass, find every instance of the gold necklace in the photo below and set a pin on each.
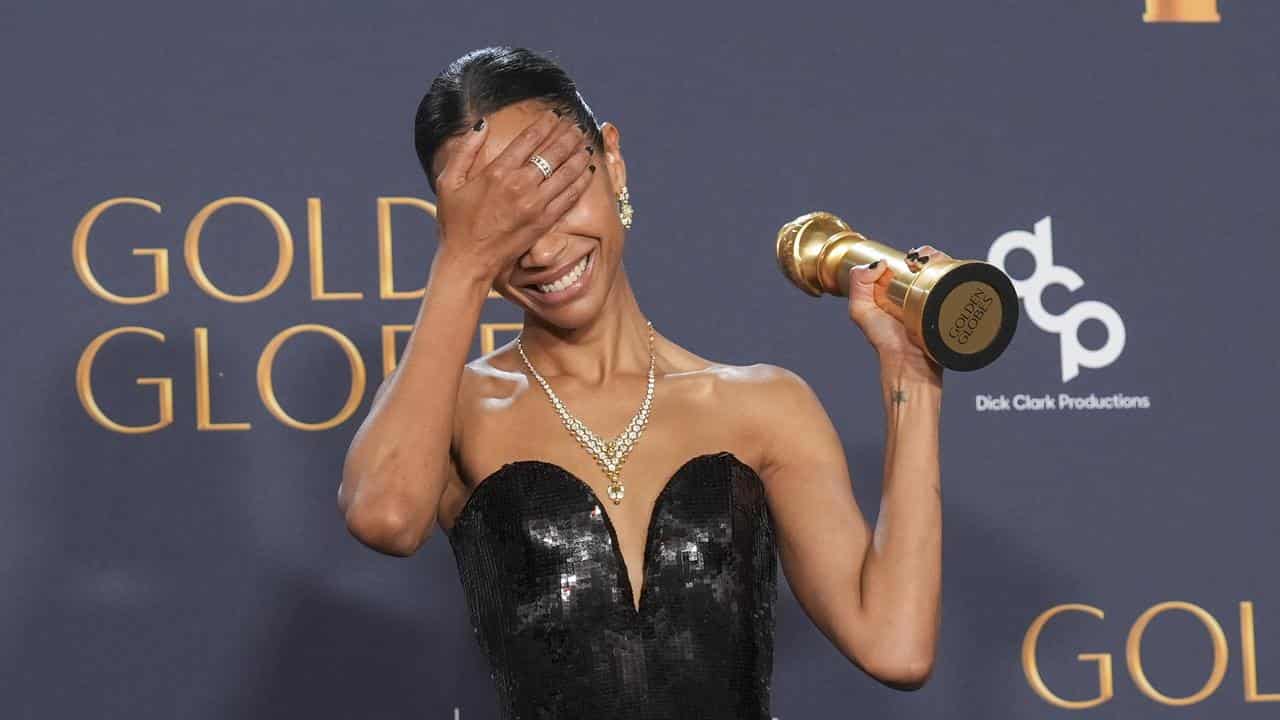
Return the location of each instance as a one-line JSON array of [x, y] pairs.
[[609, 454]]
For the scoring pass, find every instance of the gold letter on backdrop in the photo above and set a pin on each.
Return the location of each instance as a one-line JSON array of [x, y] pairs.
[[80, 255], [84, 387], [1249, 653], [386, 272], [315, 241], [1134, 653], [283, 238], [203, 401], [266, 387], [1030, 668], [386, 275]]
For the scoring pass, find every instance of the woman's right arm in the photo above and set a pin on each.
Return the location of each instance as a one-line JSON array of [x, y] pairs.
[[398, 464], [399, 461]]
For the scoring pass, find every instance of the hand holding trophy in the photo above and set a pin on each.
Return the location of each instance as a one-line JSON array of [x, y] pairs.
[[961, 313]]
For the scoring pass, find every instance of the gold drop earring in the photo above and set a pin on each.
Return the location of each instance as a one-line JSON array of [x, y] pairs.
[[625, 211]]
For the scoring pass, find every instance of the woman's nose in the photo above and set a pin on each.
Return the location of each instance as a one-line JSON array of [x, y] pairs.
[[544, 251]]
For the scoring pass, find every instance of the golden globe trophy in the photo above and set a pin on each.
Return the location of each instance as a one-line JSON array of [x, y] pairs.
[[962, 313]]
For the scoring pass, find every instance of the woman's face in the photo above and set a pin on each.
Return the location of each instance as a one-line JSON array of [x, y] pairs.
[[590, 230]]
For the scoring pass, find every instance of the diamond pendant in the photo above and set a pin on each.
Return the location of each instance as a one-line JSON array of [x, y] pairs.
[[615, 485]]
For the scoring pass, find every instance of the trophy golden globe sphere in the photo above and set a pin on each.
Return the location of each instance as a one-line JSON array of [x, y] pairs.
[[961, 313]]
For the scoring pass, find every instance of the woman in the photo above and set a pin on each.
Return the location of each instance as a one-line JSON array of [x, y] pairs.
[[637, 579]]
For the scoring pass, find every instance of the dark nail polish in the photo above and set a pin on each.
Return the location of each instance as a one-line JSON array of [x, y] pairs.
[[479, 125], [924, 259], [911, 255], [593, 168], [873, 265]]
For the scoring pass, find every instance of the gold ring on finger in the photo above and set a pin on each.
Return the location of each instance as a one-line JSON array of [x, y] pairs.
[[542, 164]]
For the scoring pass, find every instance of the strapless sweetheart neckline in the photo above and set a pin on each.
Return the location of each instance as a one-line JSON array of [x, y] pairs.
[[549, 598], [681, 472]]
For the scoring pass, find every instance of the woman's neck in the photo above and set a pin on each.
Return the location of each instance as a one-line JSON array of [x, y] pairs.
[[614, 342]]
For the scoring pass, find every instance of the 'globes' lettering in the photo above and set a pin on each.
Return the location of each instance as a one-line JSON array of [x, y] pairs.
[[970, 315], [203, 392], [266, 385]]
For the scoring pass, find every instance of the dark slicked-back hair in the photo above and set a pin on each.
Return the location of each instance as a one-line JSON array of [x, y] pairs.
[[486, 80]]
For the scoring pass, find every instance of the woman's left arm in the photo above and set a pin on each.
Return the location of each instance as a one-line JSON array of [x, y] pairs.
[[902, 571], [875, 593]]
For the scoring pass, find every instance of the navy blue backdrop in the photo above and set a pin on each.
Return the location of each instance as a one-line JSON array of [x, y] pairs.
[[185, 368]]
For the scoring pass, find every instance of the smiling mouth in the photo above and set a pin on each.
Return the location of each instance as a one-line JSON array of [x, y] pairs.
[[567, 280]]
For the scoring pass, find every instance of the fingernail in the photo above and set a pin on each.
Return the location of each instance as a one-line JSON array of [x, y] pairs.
[[923, 259], [911, 255], [593, 168], [873, 265], [479, 125]]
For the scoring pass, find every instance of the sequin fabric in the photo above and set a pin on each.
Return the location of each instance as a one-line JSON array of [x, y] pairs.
[[550, 600]]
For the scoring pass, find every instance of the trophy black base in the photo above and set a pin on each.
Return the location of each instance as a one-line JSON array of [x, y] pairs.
[[969, 316]]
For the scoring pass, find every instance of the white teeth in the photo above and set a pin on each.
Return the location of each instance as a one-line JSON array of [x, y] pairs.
[[568, 278]]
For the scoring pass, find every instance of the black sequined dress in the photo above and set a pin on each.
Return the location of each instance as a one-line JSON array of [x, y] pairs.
[[551, 604]]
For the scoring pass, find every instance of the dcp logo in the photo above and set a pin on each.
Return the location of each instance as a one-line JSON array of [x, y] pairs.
[[1067, 325]]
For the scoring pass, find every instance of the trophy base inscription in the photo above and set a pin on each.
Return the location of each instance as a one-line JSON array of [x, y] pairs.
[[966, 321]]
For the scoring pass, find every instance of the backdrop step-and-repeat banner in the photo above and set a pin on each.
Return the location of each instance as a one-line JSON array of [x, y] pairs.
[[216, 235]]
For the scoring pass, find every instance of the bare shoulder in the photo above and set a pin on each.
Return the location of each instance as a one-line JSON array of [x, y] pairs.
[[763, 385], [780, 414], [762, 376]]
